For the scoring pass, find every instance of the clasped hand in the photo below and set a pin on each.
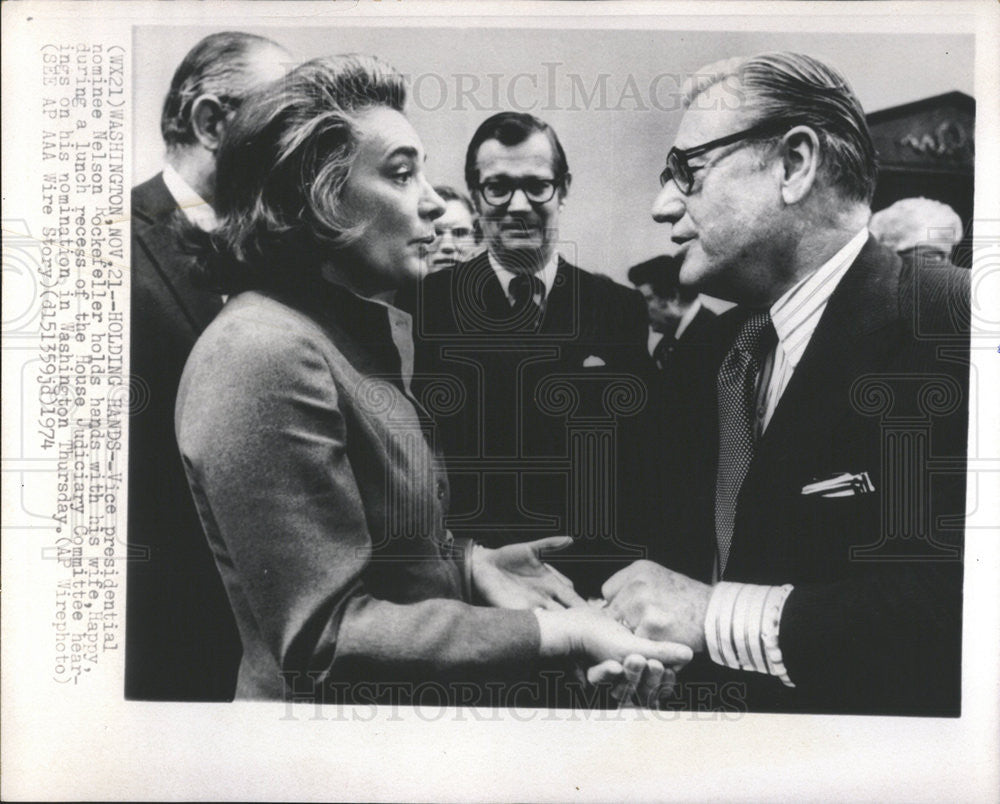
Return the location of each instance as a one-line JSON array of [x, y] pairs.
[[640, 665]]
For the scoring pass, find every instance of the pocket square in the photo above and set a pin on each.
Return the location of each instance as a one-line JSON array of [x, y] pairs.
[[842, 484], [593, 361]]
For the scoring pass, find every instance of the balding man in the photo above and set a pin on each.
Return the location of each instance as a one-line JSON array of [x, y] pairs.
[[181, 640], [815, 543], [920, 230]]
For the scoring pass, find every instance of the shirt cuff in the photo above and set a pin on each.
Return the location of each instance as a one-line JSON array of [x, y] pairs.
[[742, 627], [461, 551]]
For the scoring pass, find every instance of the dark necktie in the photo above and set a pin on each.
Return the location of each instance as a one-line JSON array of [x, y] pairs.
[[662, 350], [523, 289], [736, 386]]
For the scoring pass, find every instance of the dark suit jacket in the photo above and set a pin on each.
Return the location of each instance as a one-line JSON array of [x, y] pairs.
[[541, 428], [874, 622], [676, 354], [324, 506], [181, 640]]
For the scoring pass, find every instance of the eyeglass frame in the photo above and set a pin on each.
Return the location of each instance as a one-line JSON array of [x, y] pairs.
[[684, 154], [557, 183]]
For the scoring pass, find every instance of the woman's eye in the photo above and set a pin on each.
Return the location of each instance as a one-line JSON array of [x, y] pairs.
[[403, 176]]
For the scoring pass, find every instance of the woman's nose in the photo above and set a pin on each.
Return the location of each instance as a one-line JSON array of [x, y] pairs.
[[431, 204]]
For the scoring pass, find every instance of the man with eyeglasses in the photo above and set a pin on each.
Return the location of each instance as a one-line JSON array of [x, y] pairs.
[[519, 332], [181, 641], [455, 232], [817, 488]]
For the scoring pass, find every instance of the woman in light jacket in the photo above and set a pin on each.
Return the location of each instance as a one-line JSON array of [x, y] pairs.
[[305, 451]]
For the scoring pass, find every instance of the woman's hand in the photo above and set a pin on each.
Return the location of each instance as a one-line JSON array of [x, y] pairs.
[[614, 654], [644, 681], [515, 577]]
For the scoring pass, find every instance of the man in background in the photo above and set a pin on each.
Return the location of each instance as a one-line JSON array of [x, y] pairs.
[[676, 315], [455, 231], [181, 639], [920, 230], [545, 363]]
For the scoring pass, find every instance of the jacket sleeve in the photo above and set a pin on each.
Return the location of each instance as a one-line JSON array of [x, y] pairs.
[[264, 441], [889, 643]]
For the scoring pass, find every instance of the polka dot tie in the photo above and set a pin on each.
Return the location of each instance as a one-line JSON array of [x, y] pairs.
[[736, 387]]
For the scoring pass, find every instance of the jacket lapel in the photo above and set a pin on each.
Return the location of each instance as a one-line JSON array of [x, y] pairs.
[[849, 342], [562, 305], [153, 202]]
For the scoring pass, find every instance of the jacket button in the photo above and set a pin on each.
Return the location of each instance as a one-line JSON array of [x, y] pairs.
[[441, 489]]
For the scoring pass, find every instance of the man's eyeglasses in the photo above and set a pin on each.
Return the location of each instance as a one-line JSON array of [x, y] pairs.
[[457, 232], [498, 192], [682, 172]]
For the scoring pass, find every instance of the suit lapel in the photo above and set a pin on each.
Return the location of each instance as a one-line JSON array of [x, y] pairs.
[[480, 278], [563, 301], [159, 240], [849, 342]]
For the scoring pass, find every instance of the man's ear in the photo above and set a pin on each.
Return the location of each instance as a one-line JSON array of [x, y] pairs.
[[208, 121], [477, 202], [564, 188], [800, 155]]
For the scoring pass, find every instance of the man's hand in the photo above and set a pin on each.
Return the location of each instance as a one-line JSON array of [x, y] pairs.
[[658, 603], [644, 681], [515, 577]]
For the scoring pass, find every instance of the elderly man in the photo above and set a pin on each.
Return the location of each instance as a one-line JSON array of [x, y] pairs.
[[920, 230], [544, 361], [181, 640], [454, 232], [814, 543]]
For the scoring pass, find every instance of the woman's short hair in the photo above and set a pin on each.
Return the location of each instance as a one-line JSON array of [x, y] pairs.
[[282, 164], [803, 91]]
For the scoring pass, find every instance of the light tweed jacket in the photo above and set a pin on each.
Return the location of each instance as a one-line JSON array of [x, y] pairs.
[[323, 504]]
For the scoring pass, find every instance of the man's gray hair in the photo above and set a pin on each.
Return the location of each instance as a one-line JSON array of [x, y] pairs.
[[217, 65], [803, 91]]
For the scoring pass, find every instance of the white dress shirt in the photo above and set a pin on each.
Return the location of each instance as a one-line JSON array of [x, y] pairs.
[[742, 621], [195, 208]]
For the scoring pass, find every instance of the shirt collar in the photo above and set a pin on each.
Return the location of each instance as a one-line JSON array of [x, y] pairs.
[[386, 330], [195, 208], [798, 311], [547, 274], [687, 318]]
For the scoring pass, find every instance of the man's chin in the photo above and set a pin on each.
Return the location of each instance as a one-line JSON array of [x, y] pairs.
[[440, 265], [523, 253]]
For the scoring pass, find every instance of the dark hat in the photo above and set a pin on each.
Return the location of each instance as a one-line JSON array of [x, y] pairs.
[[660, 273]]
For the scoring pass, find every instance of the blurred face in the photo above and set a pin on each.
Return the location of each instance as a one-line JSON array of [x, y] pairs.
[[729, 227], [521, 233], [455, 239], [664, 314], [387, 193]]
